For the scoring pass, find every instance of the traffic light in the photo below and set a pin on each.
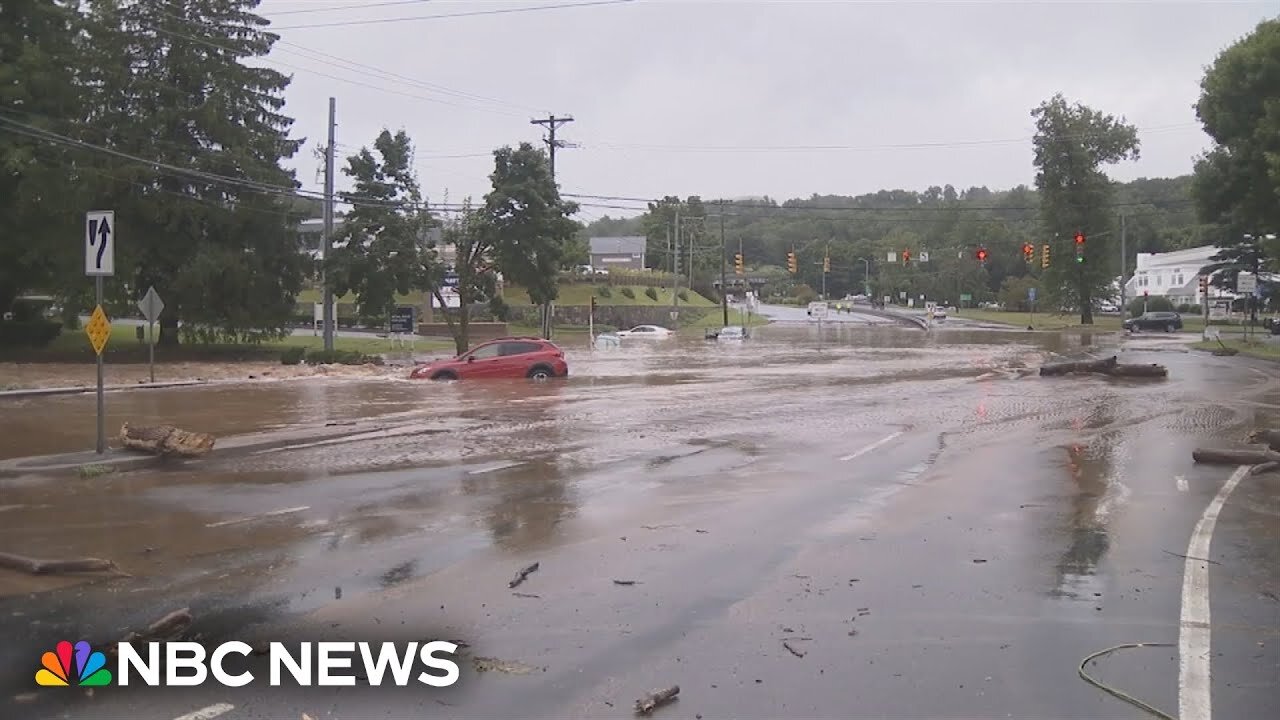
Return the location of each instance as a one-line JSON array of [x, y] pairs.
[[826, 264], [1204, 286], [792, 266], [982, 256], [738, 267], [1079, 247], [906, 257], [593, 303], [1028, 252], [1044, 256]]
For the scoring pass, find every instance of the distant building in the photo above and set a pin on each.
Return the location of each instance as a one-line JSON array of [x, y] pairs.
[[626, 251], [1174, 275]]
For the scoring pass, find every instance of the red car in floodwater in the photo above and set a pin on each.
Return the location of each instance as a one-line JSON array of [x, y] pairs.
[[513, 357]]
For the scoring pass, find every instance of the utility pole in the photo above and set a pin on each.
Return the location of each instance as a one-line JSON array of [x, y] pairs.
[[724, 288], [326, 296], [551, 123], [1123, 269], [675, 285], [826, 267]]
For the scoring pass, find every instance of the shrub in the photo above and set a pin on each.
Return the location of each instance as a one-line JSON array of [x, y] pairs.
[[28, 333], [651, 293], [341, 357], [292, 356], [604, 291], [1187, 309], [804, 294], [1153, 304], [628, 293], [683, 295]]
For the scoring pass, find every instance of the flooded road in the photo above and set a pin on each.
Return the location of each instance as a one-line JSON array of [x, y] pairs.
[[933, 530]]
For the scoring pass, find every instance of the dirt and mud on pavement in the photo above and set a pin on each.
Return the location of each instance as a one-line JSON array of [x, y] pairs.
[[863, 521]]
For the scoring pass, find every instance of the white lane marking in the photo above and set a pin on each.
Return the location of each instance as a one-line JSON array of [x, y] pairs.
[[208, 713], [273, 513], [495, 467], [863, 451], [1194, 680], [1181, 481]]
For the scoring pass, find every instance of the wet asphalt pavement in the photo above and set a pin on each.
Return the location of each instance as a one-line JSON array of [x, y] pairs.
[[932, 530]]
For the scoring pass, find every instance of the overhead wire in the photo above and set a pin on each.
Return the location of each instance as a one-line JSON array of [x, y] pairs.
[[859, 148], [357, 6], [442, 16]]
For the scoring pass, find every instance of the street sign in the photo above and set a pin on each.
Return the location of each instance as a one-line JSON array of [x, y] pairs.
[[1031, 294], [451, 279], [98, 329], [151, 305], [100, 243], [818, 310], [924, 256], [402, 319], [1246, 283], [891, 257], [966, 297]]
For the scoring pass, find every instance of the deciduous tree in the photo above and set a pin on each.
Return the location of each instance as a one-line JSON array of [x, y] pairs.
[[1072, 144], [382, 248], [531, 224]]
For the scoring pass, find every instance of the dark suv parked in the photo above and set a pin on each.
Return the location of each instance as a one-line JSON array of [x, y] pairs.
[[1166, 321]]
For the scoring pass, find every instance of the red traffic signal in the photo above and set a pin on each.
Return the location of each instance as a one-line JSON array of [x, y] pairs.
[[982, 255], [1080, 247], [1079, 238], [1028, 252], [906, 257]]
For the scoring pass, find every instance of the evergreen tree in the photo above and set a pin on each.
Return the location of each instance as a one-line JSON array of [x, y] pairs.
[[167, 80]]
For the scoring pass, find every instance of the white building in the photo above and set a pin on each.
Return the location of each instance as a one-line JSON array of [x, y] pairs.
[[1175, 275]]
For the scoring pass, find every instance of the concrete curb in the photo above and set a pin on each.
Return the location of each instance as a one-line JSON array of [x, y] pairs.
[[902, 318], [301, 436], [38, 392]]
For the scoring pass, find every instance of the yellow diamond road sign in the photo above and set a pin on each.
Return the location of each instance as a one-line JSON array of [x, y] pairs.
[[98, 329]]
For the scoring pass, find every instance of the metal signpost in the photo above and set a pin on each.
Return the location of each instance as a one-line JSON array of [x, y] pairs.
[[99, 262], [1247, 284], [151, 306]]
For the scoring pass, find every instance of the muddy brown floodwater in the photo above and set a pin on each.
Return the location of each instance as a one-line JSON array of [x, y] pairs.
[[934, 528]]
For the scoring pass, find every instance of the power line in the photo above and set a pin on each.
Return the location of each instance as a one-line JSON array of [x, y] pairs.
[[320, 73], [470, 13], [857, 148], [358, 6], [846, 208]]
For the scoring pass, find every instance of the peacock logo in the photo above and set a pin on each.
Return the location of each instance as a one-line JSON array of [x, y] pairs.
[[89, 671]]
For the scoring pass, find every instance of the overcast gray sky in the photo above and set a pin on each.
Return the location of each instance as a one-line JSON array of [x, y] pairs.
[[712, 98]]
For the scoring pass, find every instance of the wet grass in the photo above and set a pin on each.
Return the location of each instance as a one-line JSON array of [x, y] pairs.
[[124, 347], [1058, 321], [1253, 348]]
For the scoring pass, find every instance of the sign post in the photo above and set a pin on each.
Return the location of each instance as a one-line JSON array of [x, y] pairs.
[[99, 262], [1247, 284], [151, 306]]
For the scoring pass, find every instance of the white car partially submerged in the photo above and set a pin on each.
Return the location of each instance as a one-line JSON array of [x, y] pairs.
[[645, 332]]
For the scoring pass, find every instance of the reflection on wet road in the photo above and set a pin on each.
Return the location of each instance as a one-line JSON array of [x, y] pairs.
[[996, 526]]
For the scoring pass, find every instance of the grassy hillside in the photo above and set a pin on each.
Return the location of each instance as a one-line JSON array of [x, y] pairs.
[[580, 294], [570, 294]]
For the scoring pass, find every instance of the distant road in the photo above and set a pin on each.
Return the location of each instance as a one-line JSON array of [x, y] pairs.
[[787, 313]]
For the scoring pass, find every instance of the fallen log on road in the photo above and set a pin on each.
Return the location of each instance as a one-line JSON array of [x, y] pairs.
[[33, 566], [1229, 456], [166, 440], [1106, 366], [658, 698]]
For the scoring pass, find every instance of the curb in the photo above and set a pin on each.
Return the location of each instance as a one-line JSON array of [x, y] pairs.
[[38, 392], [299, 436]]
